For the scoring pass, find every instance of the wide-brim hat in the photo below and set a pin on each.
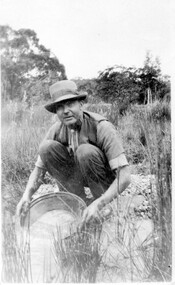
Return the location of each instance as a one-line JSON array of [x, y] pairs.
[[62, 91]]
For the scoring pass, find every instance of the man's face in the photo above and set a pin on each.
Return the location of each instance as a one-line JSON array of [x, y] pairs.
[[69, 112]]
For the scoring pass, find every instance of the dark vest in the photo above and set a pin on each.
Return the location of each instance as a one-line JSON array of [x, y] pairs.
[[88, 131]]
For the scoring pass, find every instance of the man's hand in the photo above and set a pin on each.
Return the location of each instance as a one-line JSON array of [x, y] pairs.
[[92, 213], [35, 180], [23, 207]]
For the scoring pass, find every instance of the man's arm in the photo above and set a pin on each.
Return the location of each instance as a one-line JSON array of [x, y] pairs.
[[35, 180], [120, 183], [37, 175]]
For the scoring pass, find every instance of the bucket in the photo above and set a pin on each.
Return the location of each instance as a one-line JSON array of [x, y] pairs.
[[50, 217]]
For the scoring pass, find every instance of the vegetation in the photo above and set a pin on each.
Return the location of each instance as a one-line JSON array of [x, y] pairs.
[[78, 256], [141, 112], [129, 85], [16, 267], [27, 66], [146, 136]]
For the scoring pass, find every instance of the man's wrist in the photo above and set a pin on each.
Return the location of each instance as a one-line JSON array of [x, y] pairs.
[[26, 197], [101, 202], [28, 194]]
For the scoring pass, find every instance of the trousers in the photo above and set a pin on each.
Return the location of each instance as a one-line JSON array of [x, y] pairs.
[[87, 167]]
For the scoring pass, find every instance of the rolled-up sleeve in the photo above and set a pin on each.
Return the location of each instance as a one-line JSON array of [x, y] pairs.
[[39, 163], [110, 143]]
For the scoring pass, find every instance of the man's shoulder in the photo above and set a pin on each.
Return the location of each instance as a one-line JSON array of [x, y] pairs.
[[94, 116], [56, 126], [53, 130], [106, 126]]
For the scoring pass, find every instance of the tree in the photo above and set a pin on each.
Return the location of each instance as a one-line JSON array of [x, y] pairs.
[[86, 85], [23, 59], [150, 80], [119, 84], [126, 86]]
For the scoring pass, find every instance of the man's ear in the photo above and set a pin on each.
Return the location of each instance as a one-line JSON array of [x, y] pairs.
[[81, 103]]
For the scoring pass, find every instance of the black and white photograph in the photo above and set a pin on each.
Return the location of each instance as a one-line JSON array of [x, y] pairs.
[[86, 141]]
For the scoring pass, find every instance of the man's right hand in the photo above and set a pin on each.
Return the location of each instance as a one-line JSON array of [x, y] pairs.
[[35, 180], [23, 207]]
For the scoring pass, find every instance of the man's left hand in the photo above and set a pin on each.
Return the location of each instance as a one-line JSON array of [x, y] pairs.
[[91, 213]]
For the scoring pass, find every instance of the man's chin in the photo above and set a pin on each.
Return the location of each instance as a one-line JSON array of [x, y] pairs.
[[70, 123]]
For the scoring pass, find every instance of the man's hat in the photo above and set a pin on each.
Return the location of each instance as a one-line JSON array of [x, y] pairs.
[[62, 91]]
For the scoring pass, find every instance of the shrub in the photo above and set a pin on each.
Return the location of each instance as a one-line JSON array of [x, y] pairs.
[[130, 133], [159, 110]]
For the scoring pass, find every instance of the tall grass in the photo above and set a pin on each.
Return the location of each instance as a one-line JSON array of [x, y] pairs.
[[78, 257], [16, 266], [156, 127], [21, 136], [86, 256], [146, 135]]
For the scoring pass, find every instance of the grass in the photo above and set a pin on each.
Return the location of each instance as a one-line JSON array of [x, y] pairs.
[[20, 141], [86, 256], [16, 266], [78, 256], [146, 135], [158, 153]]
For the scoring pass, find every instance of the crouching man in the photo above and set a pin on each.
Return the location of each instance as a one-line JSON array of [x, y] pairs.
[[82, 149]]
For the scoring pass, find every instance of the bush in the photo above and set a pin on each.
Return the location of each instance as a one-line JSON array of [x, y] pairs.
[[130, 133], [159, 110]]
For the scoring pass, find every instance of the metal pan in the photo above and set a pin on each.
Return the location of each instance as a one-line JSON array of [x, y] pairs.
[[69, 202]]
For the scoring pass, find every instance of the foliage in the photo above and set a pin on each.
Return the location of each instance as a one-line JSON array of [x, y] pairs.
[[78, 255], [22, 129], [158, 111], [151, 80], [23, 59], [16, 259], [127, 86], [131, 134], [88, 85], [118, 84], [158, 153], [164, 92]]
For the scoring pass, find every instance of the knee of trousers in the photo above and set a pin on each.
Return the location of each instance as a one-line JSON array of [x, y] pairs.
[[47, 147], [86, 152]]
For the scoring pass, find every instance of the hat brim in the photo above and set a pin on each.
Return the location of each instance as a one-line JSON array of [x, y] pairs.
[[52, 106]]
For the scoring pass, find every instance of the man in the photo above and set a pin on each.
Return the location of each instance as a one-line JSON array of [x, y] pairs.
[[81, 150]]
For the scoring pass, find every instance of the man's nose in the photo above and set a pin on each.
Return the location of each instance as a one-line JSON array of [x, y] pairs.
[[66, 109]]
